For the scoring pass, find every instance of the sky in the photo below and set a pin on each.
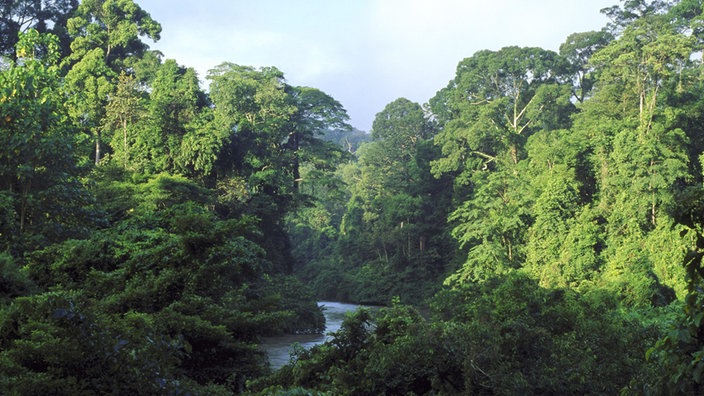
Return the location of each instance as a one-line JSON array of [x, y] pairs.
[[363, 53]]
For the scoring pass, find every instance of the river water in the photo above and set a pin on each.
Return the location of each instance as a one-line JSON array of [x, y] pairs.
[[278, 348]]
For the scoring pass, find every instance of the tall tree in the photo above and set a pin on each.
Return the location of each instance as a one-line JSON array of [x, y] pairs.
[[253, 108], [123, 110], [393, 232], [88, 86], [577, 51], [399, 129], [106, 41], [316, 112], [487, 113], [389, 178], [646, 152], [175, 100], [495, 102], [634, 132], [274, 127], [115, 26], [270, 129]]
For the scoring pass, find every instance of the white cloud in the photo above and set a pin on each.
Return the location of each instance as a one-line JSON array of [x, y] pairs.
[[419, 42], [365, 53], [314, 63], [304, 59]]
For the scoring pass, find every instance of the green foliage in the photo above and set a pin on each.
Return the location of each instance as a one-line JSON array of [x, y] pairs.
[[525, 339], [200, 146], [492, 226], [271, 131], [566, 215], [42, 199], [48, 16], [577, 51], [291, 295], [56, 343], [385, 235], [198, 281], [112, 25], [123, 110], [14, 281], [504, 336], [87, 86], [553, 210], [556, 194], [175, 101], [496, 101], [106, 41], [680, 350]]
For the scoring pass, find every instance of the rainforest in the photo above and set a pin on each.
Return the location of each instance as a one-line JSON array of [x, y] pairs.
[[536, 227]]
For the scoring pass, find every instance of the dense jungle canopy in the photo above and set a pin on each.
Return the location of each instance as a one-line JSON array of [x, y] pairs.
[[536, 227]]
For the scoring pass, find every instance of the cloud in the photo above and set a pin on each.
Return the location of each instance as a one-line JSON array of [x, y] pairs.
[[296, 55], [314, 63], [365, 53], [418, 43]]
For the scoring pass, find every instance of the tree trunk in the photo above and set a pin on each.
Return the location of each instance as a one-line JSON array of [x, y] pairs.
[[97, 148], [23, 204], [652, 209], [295, 146], [124, 142]]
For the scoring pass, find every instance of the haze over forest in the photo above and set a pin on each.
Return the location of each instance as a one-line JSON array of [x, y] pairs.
[[535, 227]]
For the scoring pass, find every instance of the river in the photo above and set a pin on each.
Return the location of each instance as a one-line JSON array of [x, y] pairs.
[[278, 348]]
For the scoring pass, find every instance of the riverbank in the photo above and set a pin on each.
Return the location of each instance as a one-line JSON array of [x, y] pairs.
[[278, 349]]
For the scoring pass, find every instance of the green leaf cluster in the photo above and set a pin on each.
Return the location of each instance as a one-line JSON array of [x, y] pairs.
[[574, 175], [507, 335], [157, 267]]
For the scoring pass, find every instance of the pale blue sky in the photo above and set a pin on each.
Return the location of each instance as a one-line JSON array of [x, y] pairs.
[[364, 53]]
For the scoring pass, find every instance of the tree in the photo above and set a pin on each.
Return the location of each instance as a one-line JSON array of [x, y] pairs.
[[44, 16], [38, 171], [175, 101], [253, 107], [554, 210], [270, 129], [316, 112], [278, 126], [494, 104], [634, 133], [106, 41], [189, 292], [496, 101], [115, 26], [577, 51], [88, 85], [162, 123], [492, 226], [392, 232], [390, 178], [643, 152], [399, 129], [123, 110]]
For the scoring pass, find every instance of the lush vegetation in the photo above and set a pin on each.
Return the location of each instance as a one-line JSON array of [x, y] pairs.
[[535, 228], [144, 248]]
